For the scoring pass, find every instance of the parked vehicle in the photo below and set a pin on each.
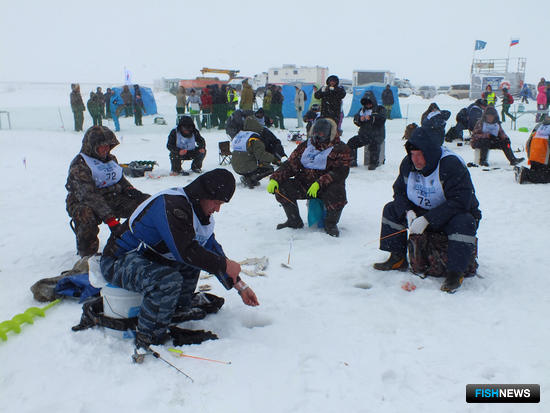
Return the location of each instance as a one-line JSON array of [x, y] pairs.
[[427, 92], [459, 91], [443, 90], [404, 87]]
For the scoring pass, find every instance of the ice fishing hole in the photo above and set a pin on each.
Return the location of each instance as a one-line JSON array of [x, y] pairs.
[[363, 285], [255, 321]]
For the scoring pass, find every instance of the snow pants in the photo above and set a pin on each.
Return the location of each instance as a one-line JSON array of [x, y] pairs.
[[506, 111], [164, 287], [388, 111], [333, 196], [114, 115], [277, 115], [299, 117], [176, 159], [78, 120], [85, 223], [373, 143], [460, 230]]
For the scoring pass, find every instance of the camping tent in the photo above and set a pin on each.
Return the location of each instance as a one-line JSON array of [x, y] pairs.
[[147, 96], [289, 92], [359, 92]]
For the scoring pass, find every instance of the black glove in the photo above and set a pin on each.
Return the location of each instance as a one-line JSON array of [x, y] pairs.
[[181, 336]]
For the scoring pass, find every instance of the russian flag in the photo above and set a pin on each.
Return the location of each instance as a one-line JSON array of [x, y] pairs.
[[514, 42]]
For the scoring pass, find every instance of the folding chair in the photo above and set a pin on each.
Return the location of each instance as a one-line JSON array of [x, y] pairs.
[[225, 153]]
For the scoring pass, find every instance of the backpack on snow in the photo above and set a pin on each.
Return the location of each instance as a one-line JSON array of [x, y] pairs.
[[428, 255]]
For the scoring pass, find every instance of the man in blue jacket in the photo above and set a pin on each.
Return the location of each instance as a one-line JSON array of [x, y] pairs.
[[475, 111], [163, 246], [433, 192]]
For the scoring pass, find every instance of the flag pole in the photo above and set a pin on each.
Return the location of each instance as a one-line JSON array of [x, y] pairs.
[[508, 58]]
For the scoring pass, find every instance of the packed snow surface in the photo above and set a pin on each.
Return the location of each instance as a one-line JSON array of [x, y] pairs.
[[331, 334]]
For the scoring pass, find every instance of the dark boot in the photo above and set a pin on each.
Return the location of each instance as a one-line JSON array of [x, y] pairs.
[[145, 340], [452, 282], [248, 182], [483, 153], [293, 217], [511, 157], [260, 173], [396, 261], [520, 173], [331, 222]]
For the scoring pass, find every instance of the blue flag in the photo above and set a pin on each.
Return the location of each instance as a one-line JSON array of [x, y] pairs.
[[480, 44]]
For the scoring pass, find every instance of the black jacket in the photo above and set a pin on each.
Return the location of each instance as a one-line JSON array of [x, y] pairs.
[[375, 127], [453, 174], [331, 101], [172, 140], [277, 98], [387, 97], [435, 125], [474, 114]]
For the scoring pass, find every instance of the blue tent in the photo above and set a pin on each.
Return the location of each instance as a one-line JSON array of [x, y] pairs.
[[289, 92], [359, 92], [146, 95]]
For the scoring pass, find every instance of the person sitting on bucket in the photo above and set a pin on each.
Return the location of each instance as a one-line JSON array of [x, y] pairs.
[[538, 152], [433, 192], [318, 167], [167, 241], [97, 190], [488, 134]]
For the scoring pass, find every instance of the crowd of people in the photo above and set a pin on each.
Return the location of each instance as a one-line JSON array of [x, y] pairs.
[[430, 226], [109, 105]]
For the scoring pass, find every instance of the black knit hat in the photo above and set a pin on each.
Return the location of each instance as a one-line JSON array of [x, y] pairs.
[[217, 184]]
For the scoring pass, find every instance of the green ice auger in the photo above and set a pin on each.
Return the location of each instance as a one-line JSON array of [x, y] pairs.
[[27, 317]]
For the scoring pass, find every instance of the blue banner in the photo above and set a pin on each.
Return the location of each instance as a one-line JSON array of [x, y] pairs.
[[480, 44]]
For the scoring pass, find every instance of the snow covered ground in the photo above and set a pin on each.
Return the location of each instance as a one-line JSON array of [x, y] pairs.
[[331, 334]]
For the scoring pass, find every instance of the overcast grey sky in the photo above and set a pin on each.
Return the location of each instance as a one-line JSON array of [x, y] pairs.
[[429, 42]]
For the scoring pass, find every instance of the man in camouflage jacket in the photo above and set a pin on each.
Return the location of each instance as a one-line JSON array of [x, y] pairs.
[[317, 168], [77, 106], [98, 192]]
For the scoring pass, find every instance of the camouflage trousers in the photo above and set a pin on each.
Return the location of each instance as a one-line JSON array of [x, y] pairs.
[[85, 223], [333, 196], [164, 287]]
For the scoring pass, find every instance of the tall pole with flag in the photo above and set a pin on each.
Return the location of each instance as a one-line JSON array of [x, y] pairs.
[[479, 45], [513, 42]]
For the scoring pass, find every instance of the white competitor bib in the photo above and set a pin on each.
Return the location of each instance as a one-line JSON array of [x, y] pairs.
[[240, 140], [182, 142], [491, 128], [427, 191], [194, 106], [432, 114], [543, 131], [104, 173], [367, 112], [202, 232], [313, 158]]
